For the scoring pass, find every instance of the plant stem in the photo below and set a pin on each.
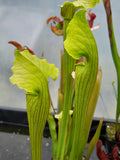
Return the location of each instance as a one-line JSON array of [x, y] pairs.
[[69, 65], [114, 51], [52, 126], [62, 77]]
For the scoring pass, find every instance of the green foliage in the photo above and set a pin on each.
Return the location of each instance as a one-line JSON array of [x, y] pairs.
[[86, 3], [52, 126], [94, 140], [68, 10], [92, 103], [77, 97], [30, 74], [80, 42], [28, 71]]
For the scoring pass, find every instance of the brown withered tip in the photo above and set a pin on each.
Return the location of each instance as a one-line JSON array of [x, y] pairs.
[[54, 18], [55, 29], [20, 47], [17, 45], [26, 48]]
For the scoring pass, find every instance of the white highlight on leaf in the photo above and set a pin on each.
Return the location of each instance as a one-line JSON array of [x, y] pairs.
[[73, 74]]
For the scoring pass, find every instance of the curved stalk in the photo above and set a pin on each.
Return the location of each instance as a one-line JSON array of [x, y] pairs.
[[115, 55]]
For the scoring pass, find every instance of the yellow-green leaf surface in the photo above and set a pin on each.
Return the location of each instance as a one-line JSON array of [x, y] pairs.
[[86, 3], [30, 74], [80, 42], [92, 104], [26, 63]]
